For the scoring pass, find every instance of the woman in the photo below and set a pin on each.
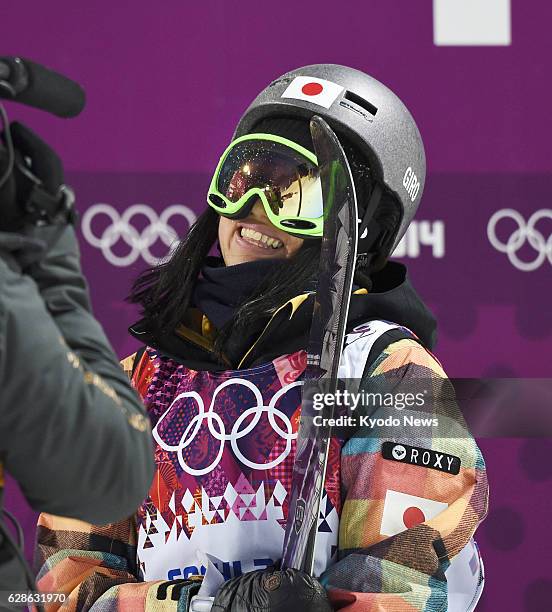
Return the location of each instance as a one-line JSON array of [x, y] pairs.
[[221, 373]]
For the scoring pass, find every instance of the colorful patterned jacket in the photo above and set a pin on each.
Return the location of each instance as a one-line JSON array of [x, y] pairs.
[[400, 506]]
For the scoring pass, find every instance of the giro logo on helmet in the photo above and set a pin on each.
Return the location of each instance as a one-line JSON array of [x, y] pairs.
[[411, 183], [311, 89]]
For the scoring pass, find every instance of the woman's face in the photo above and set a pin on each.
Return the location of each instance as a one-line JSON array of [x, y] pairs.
[[254, 238]]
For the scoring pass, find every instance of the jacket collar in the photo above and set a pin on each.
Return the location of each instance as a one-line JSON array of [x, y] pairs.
[[391, 298]]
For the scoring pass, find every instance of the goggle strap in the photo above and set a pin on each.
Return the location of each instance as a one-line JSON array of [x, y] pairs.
[[373, 203]]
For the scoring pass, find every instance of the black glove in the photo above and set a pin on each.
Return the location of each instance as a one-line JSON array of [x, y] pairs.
[[270, 590], [35, 192]]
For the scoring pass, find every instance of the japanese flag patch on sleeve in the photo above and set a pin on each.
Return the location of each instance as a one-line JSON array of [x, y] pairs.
[[318, 91], [402, 511]]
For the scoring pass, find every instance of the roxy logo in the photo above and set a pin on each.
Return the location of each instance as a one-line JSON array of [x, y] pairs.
[[399, 452], [424, 457], [411, 183]]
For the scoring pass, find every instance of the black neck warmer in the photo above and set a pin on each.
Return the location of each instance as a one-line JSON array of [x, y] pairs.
[[221, 289]]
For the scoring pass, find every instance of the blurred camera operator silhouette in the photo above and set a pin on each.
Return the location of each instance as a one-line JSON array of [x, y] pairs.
[[73, 433]]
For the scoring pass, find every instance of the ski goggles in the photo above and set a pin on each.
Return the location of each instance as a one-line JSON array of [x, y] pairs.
[[283, 175]]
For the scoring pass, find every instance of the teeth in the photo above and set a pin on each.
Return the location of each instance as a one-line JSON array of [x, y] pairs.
[[266, 241]]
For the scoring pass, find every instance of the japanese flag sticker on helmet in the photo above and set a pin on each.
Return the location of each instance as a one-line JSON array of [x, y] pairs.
[[311, 89]]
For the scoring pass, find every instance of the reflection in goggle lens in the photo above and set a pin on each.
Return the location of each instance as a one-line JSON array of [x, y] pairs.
[[290, 182]]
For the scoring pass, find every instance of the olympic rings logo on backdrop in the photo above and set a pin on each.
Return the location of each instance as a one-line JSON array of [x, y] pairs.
[[218, 431], [121, 228], [525, 232]]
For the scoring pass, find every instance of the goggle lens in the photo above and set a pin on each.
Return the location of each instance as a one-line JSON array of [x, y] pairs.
[[285, 179]]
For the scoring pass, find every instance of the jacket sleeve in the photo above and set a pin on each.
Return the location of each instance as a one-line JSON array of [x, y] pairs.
[[382, 564], [95, 568], [72, 431]]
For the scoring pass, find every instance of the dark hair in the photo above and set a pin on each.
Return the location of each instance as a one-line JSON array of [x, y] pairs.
[[164, 292]]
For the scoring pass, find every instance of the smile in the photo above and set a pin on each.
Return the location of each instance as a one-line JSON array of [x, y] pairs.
[[261, 240]]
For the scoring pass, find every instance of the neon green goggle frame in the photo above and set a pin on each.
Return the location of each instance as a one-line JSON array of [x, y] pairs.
[[303, 226]]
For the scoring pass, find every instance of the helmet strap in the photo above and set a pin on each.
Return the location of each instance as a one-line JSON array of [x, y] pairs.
[[369, 230]]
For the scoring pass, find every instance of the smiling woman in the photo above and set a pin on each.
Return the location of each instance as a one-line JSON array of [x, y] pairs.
[[265, 206], [225, 356], [254, 238]]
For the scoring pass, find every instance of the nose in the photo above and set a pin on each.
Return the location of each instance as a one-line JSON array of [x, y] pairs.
[[258, 212]]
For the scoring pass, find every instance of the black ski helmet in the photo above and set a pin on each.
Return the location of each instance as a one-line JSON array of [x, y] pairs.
[[364, 112]]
